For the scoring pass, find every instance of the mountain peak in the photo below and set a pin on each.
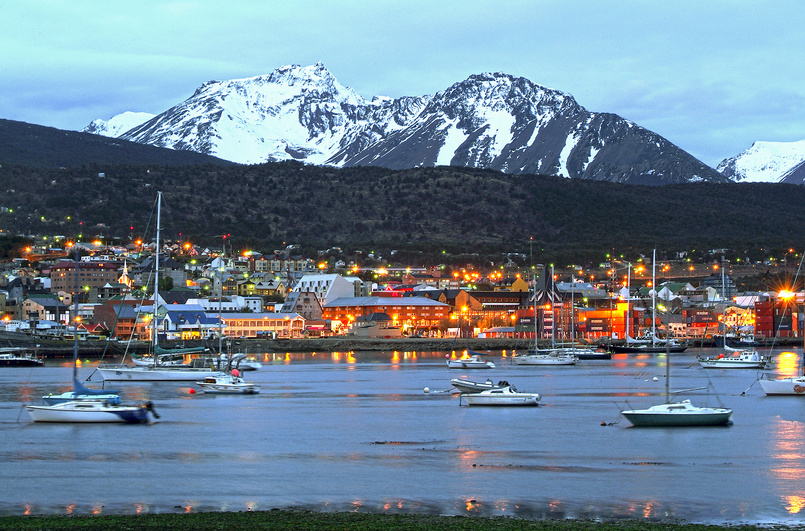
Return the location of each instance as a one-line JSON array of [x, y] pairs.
[[489, 120]]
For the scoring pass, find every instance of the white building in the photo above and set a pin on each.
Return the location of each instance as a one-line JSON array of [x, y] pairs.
[[330, 287]]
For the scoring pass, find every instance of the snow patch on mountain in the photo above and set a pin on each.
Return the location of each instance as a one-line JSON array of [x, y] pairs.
[[118, 124], [489, 120], [766, 162]]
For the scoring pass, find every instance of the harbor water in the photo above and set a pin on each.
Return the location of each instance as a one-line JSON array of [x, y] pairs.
[[357, 432]]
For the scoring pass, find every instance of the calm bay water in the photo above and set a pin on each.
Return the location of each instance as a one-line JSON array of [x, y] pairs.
[[338, 431]]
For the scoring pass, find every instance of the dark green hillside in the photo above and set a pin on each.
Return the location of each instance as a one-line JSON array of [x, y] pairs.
[[458, 210], [45, 147]]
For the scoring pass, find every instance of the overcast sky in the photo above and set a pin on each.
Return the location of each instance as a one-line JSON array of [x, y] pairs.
[[711, 76]]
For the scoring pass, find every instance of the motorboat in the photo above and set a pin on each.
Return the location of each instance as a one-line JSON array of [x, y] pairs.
[[503, 396], [740, 359], [467, 386], [229, 384], [81, 392], [18, 357], [794, 386], [550, 357], [472, 362], [678, 414], [92, 412], [585, 353]]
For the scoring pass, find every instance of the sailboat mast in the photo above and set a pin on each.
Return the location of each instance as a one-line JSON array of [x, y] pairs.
[[156, 275], [628, 301], [75, 318], [553, 312], [654, 298]]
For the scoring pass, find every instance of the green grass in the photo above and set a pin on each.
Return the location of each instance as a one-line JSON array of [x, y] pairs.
[[314, 521]]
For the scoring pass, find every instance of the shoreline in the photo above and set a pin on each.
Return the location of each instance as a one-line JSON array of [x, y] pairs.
[[57, 348], [282, 519]]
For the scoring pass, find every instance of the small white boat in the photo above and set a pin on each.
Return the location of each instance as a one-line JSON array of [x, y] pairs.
[[550, 357], [473, 362], [678, 414], [91, 411], [467, 386], [741, 359], [504, 396], [794, 386], [229, 384]]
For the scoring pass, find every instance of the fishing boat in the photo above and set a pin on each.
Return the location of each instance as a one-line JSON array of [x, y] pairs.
[[473, 362], [156, 371], [87, 405], [19, 357], [504, 396], [467, 386], [740, 359], [681, 413]]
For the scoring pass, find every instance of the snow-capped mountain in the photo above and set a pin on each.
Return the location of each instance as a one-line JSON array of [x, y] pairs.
[[493, 121], [768, 162], [118, 124]]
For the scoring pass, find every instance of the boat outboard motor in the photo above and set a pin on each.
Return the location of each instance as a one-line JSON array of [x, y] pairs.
[[149, 406]]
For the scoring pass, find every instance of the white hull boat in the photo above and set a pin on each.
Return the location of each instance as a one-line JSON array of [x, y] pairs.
[[467, 386], [504, 396], [552, 358], [473, 362], [678, 414], [91, 412], [230, 384], [744, 359], [156, 374], [785, 386]]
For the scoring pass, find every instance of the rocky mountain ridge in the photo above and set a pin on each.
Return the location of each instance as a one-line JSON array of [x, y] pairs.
[[491, 120]]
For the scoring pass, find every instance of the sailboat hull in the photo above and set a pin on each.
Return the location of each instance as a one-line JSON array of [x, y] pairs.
[[678, 414], [784, 386], [156, 374], [88, 411]]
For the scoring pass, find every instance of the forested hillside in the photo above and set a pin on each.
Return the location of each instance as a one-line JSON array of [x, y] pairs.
[[431, 210]]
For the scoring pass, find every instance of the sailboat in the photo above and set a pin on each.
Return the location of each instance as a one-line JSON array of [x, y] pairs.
[[733, 358], [551, 356], [156, 371], [85, 405], [681, 413], [652, 345]]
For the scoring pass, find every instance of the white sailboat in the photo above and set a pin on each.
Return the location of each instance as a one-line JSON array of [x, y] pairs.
[[733, 358], [681, 413], [156, 372], [551, 356], [85, 405]]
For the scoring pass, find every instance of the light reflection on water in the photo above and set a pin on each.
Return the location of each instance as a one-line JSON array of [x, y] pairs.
[[355, 431]]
